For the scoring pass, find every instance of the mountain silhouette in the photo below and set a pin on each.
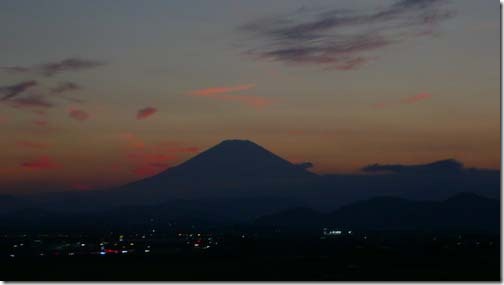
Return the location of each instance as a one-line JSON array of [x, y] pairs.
[[464, 211], [442, 166], [240, 159], [229, 168]]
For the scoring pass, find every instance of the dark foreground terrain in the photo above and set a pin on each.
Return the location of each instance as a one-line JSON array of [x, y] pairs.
[[248, 256]]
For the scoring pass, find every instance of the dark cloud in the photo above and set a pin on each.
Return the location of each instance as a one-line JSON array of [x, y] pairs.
[[70, 64], [53, 68], [442, 166], [146, 112], [343, 39], [15, 69], [12, 91], [33, 101], [14, 95], [64, 87]]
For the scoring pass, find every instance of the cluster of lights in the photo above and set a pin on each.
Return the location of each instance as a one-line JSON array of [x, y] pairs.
[[198, 240], [327, 232], [121, 245]]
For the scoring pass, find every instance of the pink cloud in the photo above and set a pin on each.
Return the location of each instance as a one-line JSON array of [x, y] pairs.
[[249, 100], [221, 90], [40, 163], [32, 144], [145, 113], [44, 125], [417, 98], [40, 123], [410, 100], [222, 94], [79, 115]]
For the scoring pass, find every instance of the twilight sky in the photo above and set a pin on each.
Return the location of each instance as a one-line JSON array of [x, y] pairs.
[[99, 93]]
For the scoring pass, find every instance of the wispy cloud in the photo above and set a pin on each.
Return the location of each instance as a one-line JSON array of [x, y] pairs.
[[77, 114], [417, 98], [57, 67], [64, 87], [249, 100], [145, 113], [410, 100], [221, 90], [379, 105], [30, 102], [40, 163], [225, 94], [21, 96], [11, 91], [41, 123], [343, 39]]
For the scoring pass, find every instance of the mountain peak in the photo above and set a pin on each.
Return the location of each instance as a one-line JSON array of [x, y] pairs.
[[236, 141], [231, 164], [238, 156]]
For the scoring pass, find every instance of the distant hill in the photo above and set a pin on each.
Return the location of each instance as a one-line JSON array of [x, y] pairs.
[[464, 211], [299, 217]]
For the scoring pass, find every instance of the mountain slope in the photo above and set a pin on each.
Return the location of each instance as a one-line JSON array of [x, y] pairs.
[[237, 158], [232, 167]]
